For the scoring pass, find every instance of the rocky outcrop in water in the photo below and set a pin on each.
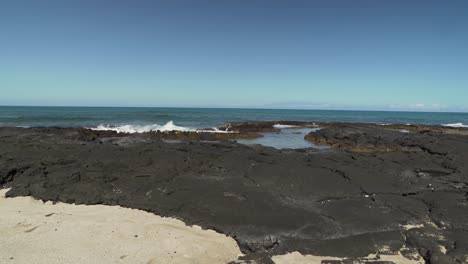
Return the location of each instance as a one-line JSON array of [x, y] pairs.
[[263, 126], [90, 135]]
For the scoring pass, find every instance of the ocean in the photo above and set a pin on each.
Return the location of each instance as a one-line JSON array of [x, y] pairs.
[[139, 119]]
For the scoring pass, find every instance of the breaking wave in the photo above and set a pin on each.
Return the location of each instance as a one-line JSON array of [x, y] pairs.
[[456, 125], [169, 126], [283, 126]]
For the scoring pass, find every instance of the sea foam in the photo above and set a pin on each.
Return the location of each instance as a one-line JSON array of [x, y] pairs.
[[279, 126], [169, 126], [456, 125]]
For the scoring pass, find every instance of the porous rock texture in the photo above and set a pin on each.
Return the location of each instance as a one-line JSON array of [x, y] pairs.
[[379, 191]]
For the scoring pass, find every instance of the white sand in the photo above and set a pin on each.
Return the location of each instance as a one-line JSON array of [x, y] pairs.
[[297, 258], [35, 232], [412, 226]]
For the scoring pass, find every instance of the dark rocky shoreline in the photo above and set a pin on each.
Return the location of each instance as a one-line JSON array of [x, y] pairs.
[[351, 201]]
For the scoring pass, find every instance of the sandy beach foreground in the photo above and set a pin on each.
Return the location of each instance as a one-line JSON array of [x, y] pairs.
[[382, 194], [36, 232]]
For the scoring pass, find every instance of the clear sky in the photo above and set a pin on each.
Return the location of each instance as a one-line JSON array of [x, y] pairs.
[[329, 54]]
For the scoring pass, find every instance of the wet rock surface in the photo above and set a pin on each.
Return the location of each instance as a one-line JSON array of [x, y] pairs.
[[372, 138], [90, 135], [379, 191], [263, 126]]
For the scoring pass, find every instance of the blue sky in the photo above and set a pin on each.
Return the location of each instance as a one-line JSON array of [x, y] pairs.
[[381, 55]]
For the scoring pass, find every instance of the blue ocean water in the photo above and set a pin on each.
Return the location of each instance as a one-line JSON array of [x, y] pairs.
[[196, 118]]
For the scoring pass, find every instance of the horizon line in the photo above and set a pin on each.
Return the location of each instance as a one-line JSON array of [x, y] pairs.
[[245, 108]]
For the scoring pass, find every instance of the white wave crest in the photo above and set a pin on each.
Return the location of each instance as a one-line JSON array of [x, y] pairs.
[[215, 130], [456, 125], [169, 126], [279, 126]]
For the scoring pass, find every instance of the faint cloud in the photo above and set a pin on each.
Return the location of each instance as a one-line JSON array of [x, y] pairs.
[[416, 107], [435, 107], [305, 105], [419, 105]]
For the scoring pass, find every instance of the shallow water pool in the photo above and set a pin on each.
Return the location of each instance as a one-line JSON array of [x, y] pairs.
[[292, 138]]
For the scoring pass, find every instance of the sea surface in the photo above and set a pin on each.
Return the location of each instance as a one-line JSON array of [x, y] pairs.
[[195, 118], [140, 119]]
